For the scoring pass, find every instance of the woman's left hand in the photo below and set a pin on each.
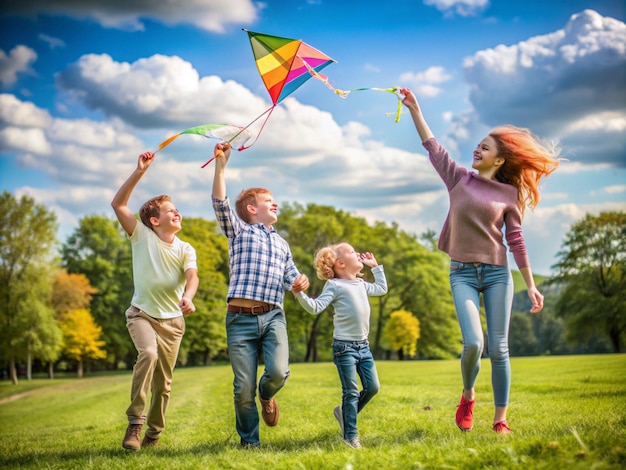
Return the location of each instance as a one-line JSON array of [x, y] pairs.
[[537, 300]]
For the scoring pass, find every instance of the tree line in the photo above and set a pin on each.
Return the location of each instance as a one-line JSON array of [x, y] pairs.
[[62, 305]]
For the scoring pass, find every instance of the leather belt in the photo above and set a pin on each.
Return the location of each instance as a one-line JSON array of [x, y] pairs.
[[254, 310]]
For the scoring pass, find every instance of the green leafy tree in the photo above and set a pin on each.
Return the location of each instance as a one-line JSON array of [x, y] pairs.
[[522, 339], [592, 268], [402, 331], [205, 334], [99, 250], [27, 240], [81, 337]]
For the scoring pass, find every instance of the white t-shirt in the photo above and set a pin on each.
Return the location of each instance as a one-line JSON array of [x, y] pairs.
[[159, 272]]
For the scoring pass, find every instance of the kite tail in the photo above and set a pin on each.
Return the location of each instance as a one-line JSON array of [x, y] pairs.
[[165, 143], [243, 147], [320, 77]]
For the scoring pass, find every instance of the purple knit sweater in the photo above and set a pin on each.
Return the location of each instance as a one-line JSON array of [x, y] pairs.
[[479, 208]]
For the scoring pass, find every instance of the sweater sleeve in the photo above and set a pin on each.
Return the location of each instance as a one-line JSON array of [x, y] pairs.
[[515, 238], [448, 170]]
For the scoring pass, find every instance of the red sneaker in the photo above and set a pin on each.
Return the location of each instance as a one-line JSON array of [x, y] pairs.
[[501, 427], [465, 414]]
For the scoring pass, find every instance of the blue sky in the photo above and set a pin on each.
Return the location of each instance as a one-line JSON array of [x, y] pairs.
[[87, 86]]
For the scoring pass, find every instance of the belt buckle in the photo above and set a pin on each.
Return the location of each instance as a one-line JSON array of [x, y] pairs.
[[252, 309]]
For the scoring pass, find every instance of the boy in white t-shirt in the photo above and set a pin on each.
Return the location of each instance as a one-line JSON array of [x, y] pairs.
[[165, 277]]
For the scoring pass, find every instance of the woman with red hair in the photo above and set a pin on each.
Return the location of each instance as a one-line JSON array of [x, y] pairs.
[[509, 163]]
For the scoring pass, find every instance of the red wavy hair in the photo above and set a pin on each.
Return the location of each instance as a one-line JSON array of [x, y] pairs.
[[527, 160]]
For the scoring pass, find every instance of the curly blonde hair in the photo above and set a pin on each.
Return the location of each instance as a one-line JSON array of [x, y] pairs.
[[526, 161], [324, 262], [325, 259]]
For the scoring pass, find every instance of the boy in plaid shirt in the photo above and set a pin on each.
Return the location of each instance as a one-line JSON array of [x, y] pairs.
[[261, 269]]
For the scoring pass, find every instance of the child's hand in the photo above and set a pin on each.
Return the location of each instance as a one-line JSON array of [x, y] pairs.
[[144, 161], [368, 259], [186, 306], [301, 283], [222, 150]]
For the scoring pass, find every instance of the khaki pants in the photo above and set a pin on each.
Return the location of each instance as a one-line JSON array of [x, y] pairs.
[[157, 343]]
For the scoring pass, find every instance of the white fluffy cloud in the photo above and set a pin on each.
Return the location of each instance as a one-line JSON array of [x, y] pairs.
[[575, 71], [158, 91], [17, 61], [567, 85]]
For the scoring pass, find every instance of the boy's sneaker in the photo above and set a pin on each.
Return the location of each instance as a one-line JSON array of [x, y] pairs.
[[148, 441], [502, 427], [354, 443], [339, 417], [465, 414], [269, 411], [249, 445], [131, 438]]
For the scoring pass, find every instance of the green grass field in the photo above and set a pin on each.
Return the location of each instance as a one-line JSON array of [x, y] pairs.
[[566, 412]]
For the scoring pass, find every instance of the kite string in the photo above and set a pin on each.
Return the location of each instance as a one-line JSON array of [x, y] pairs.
[[268, 111]]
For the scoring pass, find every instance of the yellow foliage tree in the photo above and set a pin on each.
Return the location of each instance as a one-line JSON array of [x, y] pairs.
[[81, 337], [402, 331], [71, 291]]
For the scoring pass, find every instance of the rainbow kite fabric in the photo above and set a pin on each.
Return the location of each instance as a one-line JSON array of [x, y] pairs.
[[285, 64]]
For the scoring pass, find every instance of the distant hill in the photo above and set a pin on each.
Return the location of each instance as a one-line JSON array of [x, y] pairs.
[[520, 285]]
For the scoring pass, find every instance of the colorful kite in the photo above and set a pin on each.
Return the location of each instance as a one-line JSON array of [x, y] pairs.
[[284, 64], [235, 135]]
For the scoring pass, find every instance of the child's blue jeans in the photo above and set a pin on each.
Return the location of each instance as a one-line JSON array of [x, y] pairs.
[[352, 358]]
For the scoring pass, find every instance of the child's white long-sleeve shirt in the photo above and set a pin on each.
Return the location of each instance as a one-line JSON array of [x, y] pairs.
[[350, 302]]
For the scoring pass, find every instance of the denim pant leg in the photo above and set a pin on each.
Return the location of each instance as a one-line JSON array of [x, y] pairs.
[[243, 335], [466, 297], [498, 298], [366, 368], [352, 358], [495, 282], [275, 346]]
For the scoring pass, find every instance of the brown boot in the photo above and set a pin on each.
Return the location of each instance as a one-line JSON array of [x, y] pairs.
[[269, 411], [131, 439], [149, 441]]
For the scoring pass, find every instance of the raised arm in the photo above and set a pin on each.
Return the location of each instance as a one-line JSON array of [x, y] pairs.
[[222, 154], [416, 113], [120, 201]]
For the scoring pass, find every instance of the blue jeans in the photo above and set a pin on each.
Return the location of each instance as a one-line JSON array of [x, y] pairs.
[[247, 336], [468, 281], [352, 358]]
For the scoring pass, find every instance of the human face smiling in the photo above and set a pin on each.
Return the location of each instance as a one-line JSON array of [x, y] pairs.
[[169, 216], [266, 210], [486, 159]]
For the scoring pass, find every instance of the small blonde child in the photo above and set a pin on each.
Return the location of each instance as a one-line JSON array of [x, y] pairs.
[[340, 265]]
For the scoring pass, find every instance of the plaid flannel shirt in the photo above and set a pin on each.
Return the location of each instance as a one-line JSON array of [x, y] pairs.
[[260, 261]]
